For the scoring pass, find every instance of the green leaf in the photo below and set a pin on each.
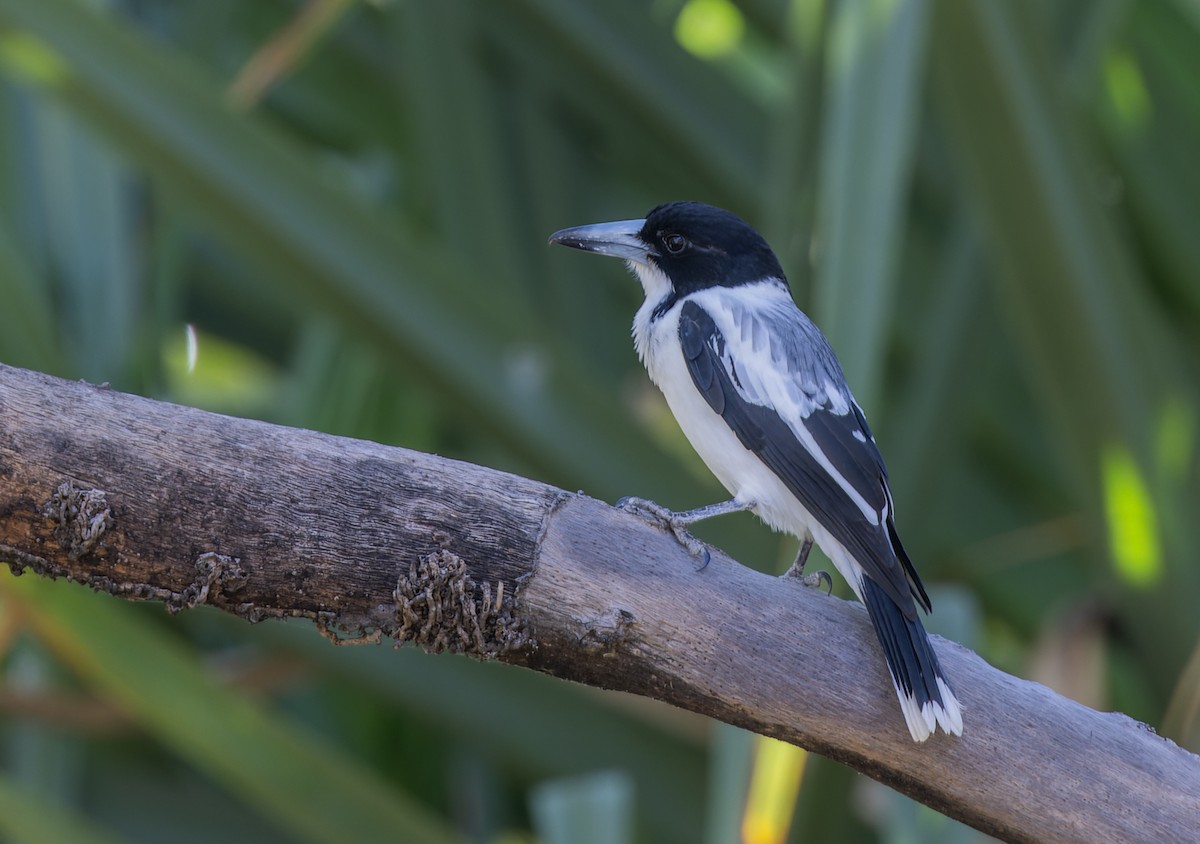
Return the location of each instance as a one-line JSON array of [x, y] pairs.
[[25, 818], [1102, 359], [594, 809], [289, 775], [1150, 114], [873, 74], [27, 335], [415, 299], [1067, 278], [573, 731], [731, 761]]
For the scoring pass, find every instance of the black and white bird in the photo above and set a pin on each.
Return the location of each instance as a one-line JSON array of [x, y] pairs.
[[760, 395]]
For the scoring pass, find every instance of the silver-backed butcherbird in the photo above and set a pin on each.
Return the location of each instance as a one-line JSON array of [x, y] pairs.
[[760, 395]]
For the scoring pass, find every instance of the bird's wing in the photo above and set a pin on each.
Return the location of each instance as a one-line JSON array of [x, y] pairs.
[[770, 374]]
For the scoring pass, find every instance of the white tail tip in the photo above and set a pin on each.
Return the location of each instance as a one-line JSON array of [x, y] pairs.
[[924, 720]]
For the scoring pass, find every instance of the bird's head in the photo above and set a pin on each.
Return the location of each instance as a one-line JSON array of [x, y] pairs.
[[681, 247]]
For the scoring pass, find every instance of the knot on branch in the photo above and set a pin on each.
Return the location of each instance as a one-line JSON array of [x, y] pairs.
[[81, 517], [609, 633], [215, 574], [441, 608]]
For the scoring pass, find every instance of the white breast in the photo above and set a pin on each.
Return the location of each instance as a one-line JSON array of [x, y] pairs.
[[737, 468]]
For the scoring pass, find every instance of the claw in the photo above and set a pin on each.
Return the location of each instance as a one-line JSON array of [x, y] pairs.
[[660, 517], [816, 579], [810, 580]]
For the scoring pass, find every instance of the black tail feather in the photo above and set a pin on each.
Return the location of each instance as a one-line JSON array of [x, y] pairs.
[[925, 695]]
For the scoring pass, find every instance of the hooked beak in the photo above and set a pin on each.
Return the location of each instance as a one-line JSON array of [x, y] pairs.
[[619, 239]]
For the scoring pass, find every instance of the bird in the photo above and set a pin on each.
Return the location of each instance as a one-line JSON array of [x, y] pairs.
[[759, 393]]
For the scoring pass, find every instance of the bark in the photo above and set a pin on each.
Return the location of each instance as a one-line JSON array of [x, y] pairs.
[[152, 501]]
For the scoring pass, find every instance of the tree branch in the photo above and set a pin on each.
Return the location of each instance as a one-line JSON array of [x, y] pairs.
[[151, 501]]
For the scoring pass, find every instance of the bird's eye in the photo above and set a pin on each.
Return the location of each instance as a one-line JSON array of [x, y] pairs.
[[675, 243]]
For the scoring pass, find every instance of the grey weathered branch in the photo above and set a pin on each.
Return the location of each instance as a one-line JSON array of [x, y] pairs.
[[148, 500]]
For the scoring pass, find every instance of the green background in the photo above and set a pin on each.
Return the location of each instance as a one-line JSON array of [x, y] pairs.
[[333, 215]]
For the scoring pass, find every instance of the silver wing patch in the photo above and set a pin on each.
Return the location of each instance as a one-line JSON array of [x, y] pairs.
[[778, 359], [779, 388]]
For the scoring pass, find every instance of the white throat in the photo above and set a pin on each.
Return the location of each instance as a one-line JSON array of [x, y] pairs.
[[657, 288]]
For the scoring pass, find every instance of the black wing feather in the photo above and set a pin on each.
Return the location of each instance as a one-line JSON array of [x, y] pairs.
[[762, 431]]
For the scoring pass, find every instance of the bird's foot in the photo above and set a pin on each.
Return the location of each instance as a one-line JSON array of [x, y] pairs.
[[816, 579], [659, 516]]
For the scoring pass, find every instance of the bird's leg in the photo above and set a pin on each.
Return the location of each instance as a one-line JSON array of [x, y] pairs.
[[660, 516], [797, 568], [802, 556]]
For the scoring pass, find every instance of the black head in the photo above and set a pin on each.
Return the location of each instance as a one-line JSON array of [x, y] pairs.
[[699, 246], [693, 245]]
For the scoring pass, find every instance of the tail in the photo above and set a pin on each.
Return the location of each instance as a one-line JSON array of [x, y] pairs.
[[925, 697]]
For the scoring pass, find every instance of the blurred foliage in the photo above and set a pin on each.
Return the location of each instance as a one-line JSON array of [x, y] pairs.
[[332, 214]]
